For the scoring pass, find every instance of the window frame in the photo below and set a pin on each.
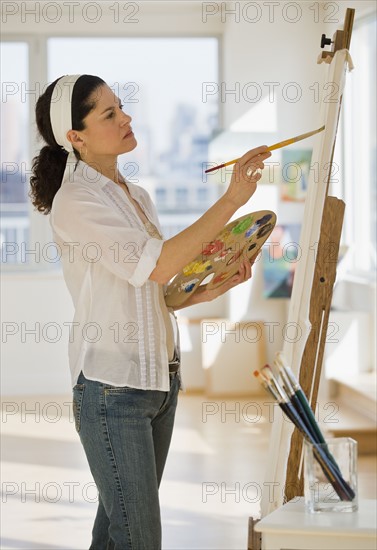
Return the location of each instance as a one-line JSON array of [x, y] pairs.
[[37, 70]]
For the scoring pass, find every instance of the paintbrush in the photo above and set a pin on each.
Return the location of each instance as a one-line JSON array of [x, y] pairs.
[[300, 398], [300, 403], [283, 402], [278, 145], [332, 473], [266, 385], [294, 400]]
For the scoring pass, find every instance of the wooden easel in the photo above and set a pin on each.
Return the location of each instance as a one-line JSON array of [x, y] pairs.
[[320, 300]]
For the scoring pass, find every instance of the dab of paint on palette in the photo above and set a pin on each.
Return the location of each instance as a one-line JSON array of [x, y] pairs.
[[220, 258]]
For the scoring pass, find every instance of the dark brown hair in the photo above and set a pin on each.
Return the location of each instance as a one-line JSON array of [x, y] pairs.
[[48, 167]]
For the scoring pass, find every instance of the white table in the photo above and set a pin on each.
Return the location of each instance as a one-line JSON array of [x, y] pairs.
[[292, 528]]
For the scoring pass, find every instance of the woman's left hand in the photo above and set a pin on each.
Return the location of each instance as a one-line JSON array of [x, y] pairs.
[[203, 294], [244, 274]]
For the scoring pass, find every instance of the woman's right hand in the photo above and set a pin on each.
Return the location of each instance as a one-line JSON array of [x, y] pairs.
[[245, 175], [181, 249]]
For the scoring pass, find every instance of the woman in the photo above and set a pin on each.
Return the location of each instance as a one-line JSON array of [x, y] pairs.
[[123, 357]]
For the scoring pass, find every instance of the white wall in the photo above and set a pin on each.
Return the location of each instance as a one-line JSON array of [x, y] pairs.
[[34, 308]]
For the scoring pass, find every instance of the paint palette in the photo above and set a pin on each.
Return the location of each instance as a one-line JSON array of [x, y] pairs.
[[220, 258]]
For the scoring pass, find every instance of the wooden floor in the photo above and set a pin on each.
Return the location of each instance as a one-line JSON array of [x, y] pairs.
[[212, 482]]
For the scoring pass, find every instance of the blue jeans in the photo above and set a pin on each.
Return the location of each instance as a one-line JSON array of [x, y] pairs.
[[126, 435]]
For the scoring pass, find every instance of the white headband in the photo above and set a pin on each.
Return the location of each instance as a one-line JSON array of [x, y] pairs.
[[61, 110]]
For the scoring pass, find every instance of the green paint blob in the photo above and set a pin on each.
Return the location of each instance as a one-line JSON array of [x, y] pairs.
[[242, 226]]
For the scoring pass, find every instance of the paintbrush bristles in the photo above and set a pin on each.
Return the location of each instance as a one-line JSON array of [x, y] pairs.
[[267, 371], [284, 375], [280, 359], [281, 363], [266, 384]]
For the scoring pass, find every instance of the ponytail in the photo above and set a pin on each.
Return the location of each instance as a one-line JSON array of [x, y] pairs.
[[47, 174]]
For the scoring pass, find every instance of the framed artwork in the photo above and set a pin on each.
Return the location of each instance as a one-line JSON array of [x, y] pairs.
[[295, 170]]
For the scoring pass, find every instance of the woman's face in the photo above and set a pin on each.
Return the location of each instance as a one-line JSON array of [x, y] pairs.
[[107, 128]]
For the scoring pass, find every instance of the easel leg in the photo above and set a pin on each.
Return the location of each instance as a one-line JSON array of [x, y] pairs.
[[254, 539]]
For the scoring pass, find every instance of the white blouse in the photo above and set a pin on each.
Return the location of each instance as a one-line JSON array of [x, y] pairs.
[[118, 335]]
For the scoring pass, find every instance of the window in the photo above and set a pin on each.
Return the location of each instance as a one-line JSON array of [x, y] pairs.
[[359, 120], [14, 149], [160, 83], [202, 195], [161, 196], [181, 198]]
